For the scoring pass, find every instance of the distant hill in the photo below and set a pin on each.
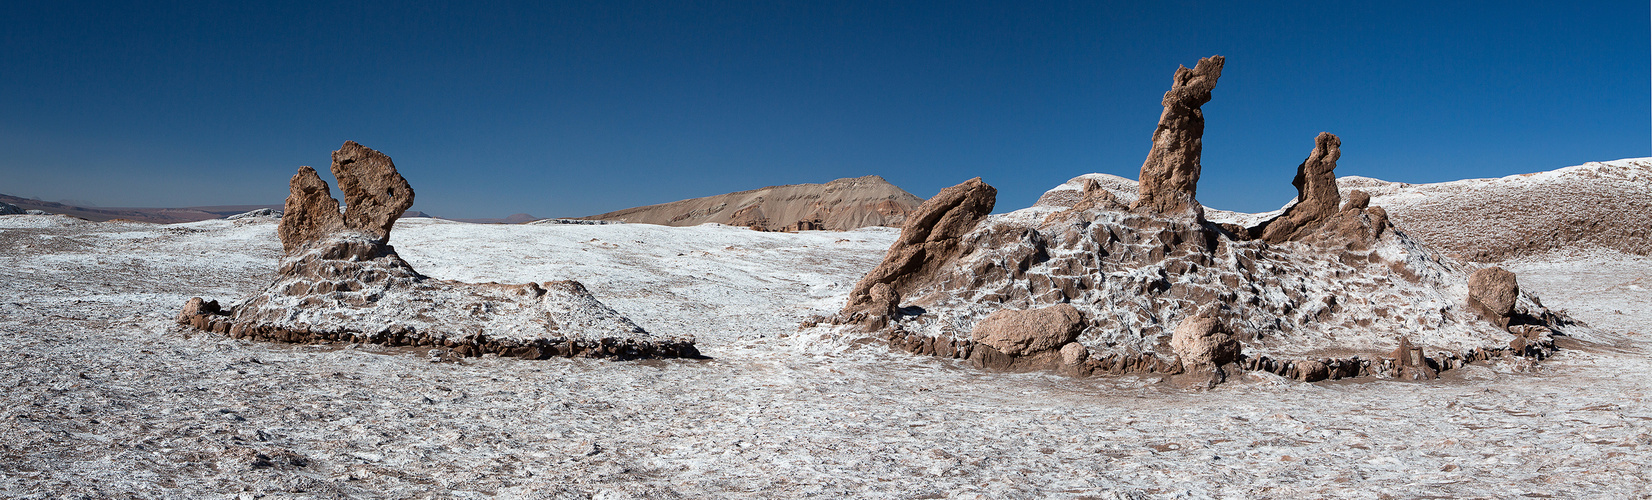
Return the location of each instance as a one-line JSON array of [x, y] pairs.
[[838, 205], [1596, 204], [511, 219], [155, 215]]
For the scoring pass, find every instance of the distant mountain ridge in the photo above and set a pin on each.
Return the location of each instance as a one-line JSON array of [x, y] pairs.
[[841, 204], [142, 214]]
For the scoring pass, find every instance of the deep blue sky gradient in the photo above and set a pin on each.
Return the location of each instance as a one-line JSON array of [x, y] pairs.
[[580, 108]]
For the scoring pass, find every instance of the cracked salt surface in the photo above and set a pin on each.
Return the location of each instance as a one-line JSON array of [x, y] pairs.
[[104, 397]]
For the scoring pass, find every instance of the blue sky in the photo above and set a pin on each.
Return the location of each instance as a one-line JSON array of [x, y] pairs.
[[567, 109]]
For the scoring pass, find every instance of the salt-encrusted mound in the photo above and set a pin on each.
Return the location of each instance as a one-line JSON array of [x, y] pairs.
[[1323, 289], [340, 281]]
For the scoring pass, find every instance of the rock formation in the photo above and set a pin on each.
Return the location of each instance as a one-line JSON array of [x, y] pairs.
[[1493, 292], [1153, 290], [1317, 198], [1170, 176], [10, 209], [928, 239], [834, 206], [339, 281]]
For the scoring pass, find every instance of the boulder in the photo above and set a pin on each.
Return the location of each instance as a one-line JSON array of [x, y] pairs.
[[1170, 176], [1029, 331], [928, 239], [10, 209], [1317, 198], [1203, 342], [1492, 292]]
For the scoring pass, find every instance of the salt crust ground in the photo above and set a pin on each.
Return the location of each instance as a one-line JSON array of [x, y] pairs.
[[104, 397]]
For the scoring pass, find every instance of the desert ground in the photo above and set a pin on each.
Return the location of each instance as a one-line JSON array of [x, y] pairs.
[[106, 397]]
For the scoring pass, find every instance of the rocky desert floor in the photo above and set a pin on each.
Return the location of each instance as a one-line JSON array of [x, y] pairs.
[[105, 398]]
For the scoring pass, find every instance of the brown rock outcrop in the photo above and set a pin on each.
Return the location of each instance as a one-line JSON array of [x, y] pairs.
[[1316, 194], [1492, 292], [310, 213], [340, 282], [1170, 176], [1030, 331], [928, 240], [375, 194]]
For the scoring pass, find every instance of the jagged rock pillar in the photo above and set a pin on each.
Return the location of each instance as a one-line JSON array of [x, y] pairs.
[[1170, 176]]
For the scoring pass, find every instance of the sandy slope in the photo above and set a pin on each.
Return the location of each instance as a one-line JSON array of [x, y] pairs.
[[105, 398], [837, 205]]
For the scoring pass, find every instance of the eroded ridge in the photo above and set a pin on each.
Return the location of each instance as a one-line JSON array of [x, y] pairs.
[[1089, 283], [340, 281]]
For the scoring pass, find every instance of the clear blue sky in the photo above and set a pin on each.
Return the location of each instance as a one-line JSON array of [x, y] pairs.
[[585, 107]]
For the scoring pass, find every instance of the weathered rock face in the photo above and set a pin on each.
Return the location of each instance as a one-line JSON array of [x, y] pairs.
[[310, 212], [928, 240], [374, 193], [1493, 291], [10, 209], [340, 282], [1170, 176], [1021, 332], [1316, 193]]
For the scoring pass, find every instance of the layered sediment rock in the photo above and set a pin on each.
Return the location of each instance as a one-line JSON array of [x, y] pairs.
[[1161, 292], [339, 281]]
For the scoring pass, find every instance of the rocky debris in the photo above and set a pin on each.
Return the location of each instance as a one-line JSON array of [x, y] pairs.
[[10, 209], [928, 241], [1594, 205], [340, 282], [1026, 332], [1493, 291], [1339, 279], [1170, 176], [838, 205], [1411, 364], [255, 214], [1317, 198], [39, 212]]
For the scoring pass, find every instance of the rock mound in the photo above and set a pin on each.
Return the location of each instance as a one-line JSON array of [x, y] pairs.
[[340, 281], [1326, 290], [1597, 204], [842, 204], [10, 209]]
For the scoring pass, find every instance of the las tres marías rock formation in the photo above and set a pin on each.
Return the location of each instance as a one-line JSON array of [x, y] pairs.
[[341, 281], [1109, 276]]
